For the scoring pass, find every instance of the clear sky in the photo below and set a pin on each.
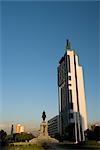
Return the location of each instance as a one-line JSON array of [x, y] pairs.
[[32, 40]]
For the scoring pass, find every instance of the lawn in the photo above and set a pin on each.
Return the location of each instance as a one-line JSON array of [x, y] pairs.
[[90, 145], [87, 145], [23, 147]]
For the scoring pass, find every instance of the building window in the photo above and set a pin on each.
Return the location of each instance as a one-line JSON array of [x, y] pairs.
[[68, 63], [71, 115], [70, 96], [70, 105], [69, 77]]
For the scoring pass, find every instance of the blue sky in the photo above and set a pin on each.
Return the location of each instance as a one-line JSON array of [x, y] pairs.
[[33, 39]]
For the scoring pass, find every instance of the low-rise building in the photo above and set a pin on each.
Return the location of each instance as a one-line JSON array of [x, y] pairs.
[[53, 127]]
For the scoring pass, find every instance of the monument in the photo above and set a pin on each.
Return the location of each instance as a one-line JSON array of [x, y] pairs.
[[43, 135], [43, 126]]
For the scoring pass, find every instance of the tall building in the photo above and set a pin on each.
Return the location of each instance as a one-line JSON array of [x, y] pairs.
[[53, 126], [71, 96], [19, 128]]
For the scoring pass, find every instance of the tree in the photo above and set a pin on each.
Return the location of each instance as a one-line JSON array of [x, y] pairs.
[[22, 137], [97, 133], [89, 134], [3, 137]]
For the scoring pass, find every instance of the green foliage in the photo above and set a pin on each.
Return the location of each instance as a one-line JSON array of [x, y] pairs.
[[3, 137], [89, 134], [23, 137], [93, 134], [97, 133]]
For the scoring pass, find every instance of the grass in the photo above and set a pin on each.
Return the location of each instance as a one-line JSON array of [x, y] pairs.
[[87, 145], [90, 145], [23, 147]]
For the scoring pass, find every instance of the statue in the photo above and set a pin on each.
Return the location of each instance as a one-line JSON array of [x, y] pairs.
[[43, 115], [43, 137]]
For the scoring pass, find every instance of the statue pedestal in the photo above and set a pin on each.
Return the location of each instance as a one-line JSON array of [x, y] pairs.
[[43, 129], [43, 136]]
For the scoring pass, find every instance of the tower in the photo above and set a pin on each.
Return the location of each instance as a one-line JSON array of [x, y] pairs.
[[12, 129], [71, 97]]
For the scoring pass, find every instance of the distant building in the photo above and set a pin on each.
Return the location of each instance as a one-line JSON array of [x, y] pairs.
[[53, 126], [22, 129], [72, 107], [19, 128]]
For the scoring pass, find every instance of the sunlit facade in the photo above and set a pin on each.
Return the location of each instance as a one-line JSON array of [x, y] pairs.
[[19, 128], [71, 97]]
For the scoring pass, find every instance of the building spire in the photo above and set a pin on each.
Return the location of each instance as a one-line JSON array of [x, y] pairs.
[[67, 44]]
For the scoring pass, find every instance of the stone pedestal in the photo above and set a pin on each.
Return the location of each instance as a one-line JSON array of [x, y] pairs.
[[43, 129], [43, 135]]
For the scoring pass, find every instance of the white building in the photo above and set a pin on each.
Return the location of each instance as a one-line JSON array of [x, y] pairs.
[[19, 128], [71, 96], [22, 129]]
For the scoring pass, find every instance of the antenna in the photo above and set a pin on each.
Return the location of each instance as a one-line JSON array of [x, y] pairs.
[[67, 44]]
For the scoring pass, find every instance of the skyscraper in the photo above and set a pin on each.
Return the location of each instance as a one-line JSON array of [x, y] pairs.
[[71, 97]]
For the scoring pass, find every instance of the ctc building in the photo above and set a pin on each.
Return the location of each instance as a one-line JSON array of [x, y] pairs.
[[71, 97]]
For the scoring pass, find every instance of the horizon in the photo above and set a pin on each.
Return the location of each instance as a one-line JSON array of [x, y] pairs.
[[35, 130], [33, 39]]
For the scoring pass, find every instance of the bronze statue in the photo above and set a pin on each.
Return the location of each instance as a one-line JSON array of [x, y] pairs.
[[43, 115]]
